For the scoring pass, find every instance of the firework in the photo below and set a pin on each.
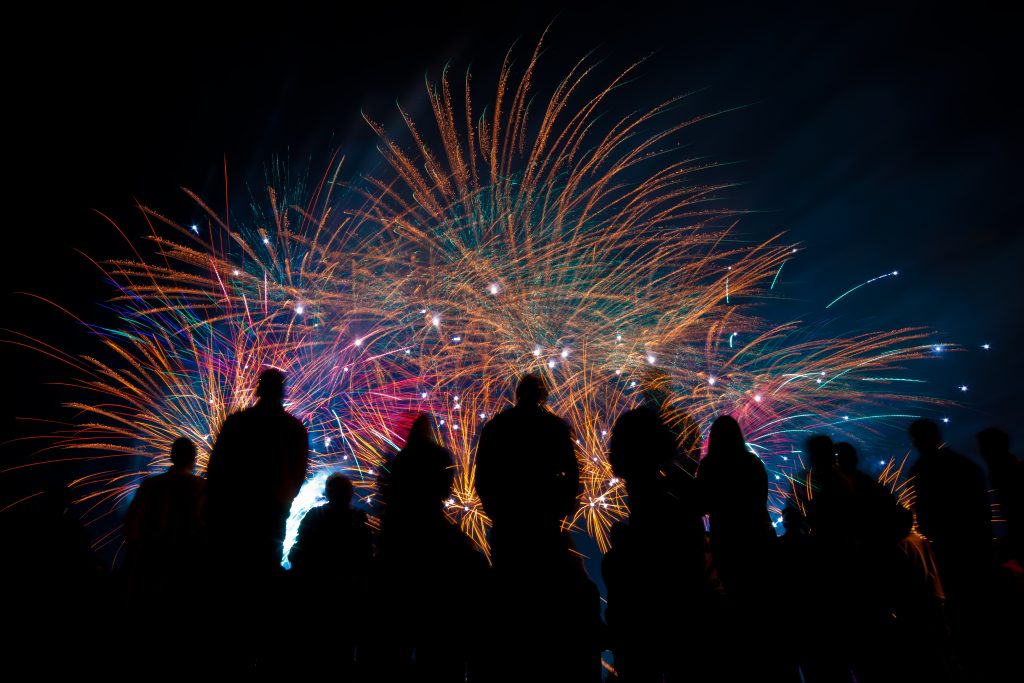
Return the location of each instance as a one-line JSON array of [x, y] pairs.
[[535, 236]]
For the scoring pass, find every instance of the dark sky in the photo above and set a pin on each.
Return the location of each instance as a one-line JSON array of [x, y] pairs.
[[881, 140]]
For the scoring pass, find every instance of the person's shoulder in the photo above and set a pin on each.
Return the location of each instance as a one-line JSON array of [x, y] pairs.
[[150, 483], [709, 465], [553, 419], [236, 419], [314, 516], [755, 462], [960, 460], [439, 452], [502, 418], [294, 422], [500, 423], [358, 518]]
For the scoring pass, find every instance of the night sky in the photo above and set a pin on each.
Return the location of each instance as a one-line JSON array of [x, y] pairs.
[[881, 141]]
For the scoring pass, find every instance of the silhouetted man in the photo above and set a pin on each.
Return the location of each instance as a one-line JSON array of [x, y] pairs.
[[526, 440], [257, 467], [873, 505], [953, 512], [161, 529], [952, 508], [544, 605]]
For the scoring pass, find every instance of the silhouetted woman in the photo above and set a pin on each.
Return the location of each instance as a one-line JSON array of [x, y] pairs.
[[658, 593], [425, 568], [734, 486], [735, 489]]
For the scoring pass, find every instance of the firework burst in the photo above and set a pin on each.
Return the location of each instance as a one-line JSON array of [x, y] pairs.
[[535, 236]]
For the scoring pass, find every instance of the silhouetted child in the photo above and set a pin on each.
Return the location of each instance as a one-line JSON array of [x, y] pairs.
[[334, 541], [330, 564]]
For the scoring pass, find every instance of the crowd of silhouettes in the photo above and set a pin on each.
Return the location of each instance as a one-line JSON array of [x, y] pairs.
[[699, 586]]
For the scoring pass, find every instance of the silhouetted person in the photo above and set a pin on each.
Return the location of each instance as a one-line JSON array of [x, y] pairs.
[[829, 496], [330, 565], [256, 469], [427, 570], [527, 477], [734, 483], [828, 502], [658, 396], [915, 597], [1006, 472], [257, 466], [334, 541], [881, 607], [795, 569], [526, 438], [952, 509], [162, 527], [658, 590]]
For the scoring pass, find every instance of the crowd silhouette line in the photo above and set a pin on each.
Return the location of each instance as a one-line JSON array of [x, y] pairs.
[[699, 587]]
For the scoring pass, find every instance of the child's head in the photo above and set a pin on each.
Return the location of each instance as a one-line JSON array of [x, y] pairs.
[[338, 490]]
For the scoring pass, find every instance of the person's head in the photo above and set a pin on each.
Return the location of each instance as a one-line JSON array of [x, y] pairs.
[[531, 391], [794, 521], [338, 490], [726, 437], [183, 453], [846, 457], [421, 431], [641, 445], [925, 435], [993, 444], [821, 452], [270, 387]]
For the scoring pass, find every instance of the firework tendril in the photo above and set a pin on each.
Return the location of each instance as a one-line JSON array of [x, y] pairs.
[[532, 235]]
